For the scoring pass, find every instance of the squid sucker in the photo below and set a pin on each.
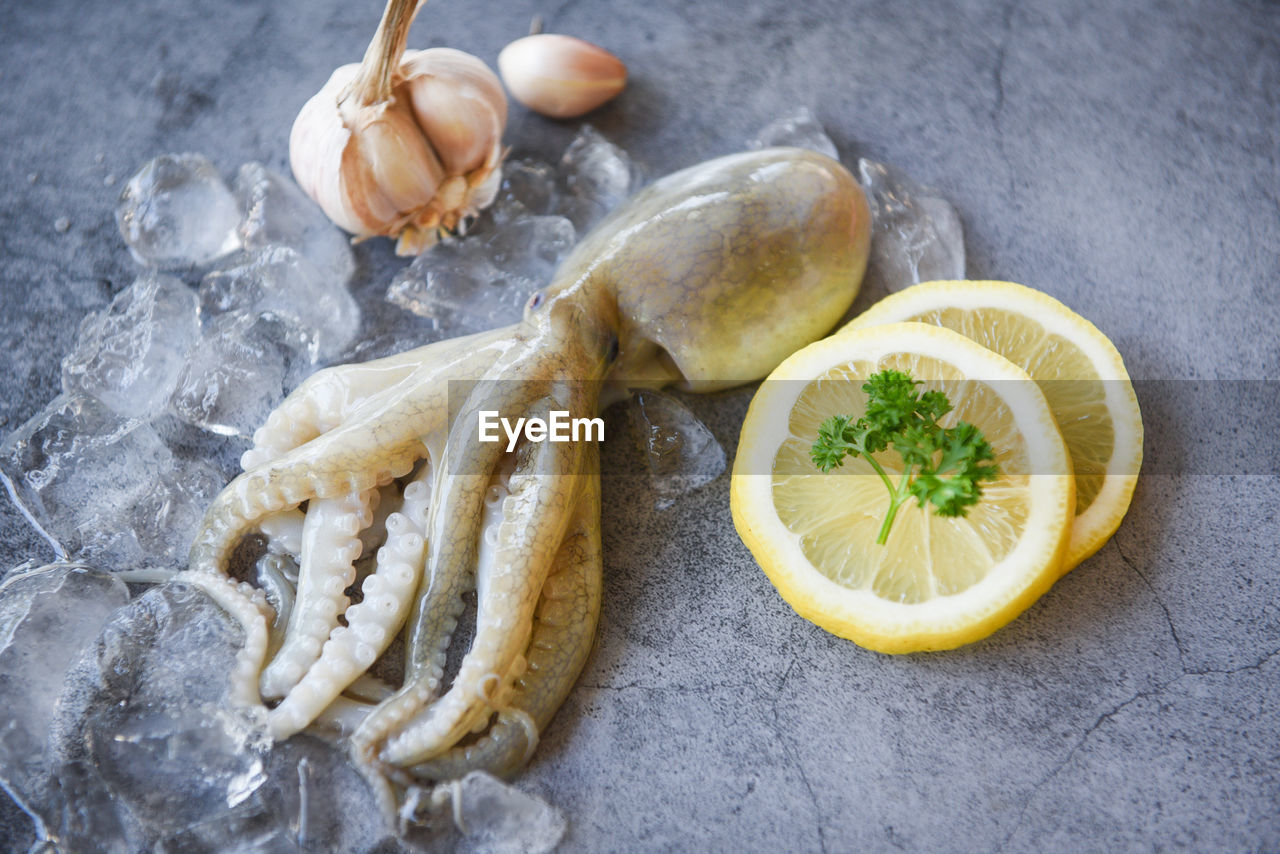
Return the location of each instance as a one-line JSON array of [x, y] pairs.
[[704, 280]]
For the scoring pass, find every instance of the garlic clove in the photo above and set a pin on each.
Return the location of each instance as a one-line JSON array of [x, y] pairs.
[[560, 76], [316, 145], [367, 167], [389, 169], [459, 104], [485, 186]]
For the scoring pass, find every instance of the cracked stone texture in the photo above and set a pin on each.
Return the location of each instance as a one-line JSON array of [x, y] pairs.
[[1121, 157]]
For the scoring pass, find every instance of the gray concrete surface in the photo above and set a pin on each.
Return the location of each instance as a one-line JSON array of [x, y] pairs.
[[1121, 156]]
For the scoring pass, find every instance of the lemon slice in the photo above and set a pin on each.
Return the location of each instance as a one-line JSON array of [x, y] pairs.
[[937, 582], [1078, 369]]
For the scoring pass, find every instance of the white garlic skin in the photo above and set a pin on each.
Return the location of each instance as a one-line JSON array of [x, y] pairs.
[[411, 165], [560, 76]]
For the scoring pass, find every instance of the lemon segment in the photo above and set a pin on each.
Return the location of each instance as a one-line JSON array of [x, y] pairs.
[[1078, 368], [937, 582]]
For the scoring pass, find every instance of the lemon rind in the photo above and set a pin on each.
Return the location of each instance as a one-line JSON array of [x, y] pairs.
[[943, 622], [1095, 525]]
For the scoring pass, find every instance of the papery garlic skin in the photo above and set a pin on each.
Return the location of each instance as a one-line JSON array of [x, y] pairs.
[[560, 76], [412, 164], [316, 145]]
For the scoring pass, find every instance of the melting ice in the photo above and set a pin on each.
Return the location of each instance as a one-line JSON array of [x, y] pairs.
[[916, 235]]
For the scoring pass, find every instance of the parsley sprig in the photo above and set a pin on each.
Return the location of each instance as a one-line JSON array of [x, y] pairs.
[[943, 466]]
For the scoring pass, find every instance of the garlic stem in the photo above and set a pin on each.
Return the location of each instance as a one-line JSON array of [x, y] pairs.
[[373, 83]]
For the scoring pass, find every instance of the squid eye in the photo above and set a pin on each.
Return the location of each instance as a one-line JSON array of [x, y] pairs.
[[535, 301], [612, 355]]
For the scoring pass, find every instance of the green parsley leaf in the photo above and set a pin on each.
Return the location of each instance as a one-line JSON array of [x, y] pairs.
[[942, 466]]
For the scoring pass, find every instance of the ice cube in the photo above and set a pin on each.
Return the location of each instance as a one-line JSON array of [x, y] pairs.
[[458, 288], [239, 370], [399, 331], [104, 488], [311, 799], [47, 616], [498, 818], [800, 130], [165, 519], [681, 453], [83, 815], [178, 765], [129, 356], [178, 212], [277, 213], [482, 282], [279, 280], [145, 718], [916, 235], [40, 459], [528, 187], [597, 176], [527, 250]]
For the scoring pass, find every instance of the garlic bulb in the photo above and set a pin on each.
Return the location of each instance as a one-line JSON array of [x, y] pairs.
[[405, 144], [560, 76]]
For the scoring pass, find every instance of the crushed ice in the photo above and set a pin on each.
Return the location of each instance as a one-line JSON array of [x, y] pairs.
[[240, 369], [681, 453], [275, 212], [496, 818], [118, 730], [799, 130], [279, 280], [47, 617], [916, 235], [158, 760], [104, 487], [130, 355], [101, 470]]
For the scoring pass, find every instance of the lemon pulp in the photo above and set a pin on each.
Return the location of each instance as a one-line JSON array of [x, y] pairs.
[[937, 582], [1077, 367]]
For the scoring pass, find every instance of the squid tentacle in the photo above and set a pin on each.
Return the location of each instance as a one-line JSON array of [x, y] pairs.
[[563, 633], [453, 533], [390, 500], [372, 623], [343, 716], [283, 531], [341, 461], [455, 525], [368, 688], [453, 540], [330, 546], [445, 603], [535, 517], [273, 575], [331, 397], [344, 459]]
